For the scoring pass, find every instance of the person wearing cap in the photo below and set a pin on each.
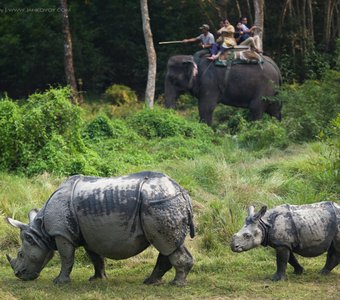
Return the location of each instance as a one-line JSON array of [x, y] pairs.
[[206, 40], [227, 41]]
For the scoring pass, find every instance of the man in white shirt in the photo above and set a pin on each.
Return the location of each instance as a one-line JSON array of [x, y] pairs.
[[206, 40]]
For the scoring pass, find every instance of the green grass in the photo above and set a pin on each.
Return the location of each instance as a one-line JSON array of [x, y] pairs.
[[222, 184]]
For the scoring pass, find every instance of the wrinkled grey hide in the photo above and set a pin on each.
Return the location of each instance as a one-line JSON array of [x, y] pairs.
[[240, 85], [308, 230], [110, 217]]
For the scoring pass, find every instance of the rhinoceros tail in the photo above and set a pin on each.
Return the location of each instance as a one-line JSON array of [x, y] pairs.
[[190, 214], [192, 229]]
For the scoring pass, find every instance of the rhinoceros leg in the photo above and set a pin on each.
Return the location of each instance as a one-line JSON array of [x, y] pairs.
[[162, 266], [333, 259], [298, 269], [182, 260], [282, 257], [66, 252], [99, 265]]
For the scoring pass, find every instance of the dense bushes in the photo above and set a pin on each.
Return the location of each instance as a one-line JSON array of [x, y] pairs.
[[48, 133], [308, 108]]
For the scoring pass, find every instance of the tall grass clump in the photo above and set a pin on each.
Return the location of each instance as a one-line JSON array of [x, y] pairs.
[[264, 134]]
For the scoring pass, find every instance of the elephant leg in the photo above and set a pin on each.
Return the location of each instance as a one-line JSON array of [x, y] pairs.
[[162, 266], [333, 259], [274, 110], [256, 109], [99, 265], [182, 260], [206, 110], [298, 269], [171, 94]]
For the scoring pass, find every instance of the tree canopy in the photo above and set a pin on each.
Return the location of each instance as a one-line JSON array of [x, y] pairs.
[[109, 47]]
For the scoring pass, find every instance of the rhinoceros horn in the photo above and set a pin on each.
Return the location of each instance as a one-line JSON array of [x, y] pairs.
[[10, 260]]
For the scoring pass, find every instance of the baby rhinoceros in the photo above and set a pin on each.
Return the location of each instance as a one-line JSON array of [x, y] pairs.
[[308, 230], [116, 218]]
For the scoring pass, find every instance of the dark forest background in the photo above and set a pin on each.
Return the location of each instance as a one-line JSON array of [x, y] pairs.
[[108, 42]]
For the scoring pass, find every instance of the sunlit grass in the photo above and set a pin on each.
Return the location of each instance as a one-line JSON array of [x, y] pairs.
[[222, 185]]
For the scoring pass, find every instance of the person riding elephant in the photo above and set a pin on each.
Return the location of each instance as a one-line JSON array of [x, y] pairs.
[[226, 41], [206, 40]]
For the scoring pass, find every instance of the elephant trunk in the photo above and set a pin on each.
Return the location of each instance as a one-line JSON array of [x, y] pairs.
[[170, 94]]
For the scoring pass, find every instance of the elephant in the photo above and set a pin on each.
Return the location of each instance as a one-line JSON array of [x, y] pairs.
[[251, 86]]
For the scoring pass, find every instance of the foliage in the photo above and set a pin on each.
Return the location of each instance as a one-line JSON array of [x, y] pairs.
[[11, 132], [32, 53], [308, 109], [118, 94], [264, 134], [310, 66], [164, 123]]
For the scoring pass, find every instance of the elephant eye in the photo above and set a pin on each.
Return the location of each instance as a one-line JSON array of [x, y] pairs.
[[20, 254]]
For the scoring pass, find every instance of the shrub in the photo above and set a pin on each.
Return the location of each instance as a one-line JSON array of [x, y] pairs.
[[47, 115], [98, 128], [308, 108], [11, 132], [263, 134], [166, 123], [120, 94]]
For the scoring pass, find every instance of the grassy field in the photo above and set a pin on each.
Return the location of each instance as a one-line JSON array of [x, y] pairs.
[[222, 185]]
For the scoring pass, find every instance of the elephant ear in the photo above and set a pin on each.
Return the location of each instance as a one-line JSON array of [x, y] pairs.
[[191, 67]]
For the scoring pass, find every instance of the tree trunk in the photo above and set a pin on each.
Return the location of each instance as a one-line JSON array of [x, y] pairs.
[[152, 60], [69, 69], [239, 10], [259, 18], [328, 15]]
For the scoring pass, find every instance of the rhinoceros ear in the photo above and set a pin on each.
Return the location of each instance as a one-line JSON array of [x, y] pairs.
[[261, 212], [32, 214], [17, 224], [251, 211]]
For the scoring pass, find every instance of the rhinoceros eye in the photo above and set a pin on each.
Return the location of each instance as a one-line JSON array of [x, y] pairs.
[[29, 239], [247, 236]]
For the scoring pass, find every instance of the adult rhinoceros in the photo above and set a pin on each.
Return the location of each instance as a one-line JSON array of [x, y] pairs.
[[250, 86], [110, 217], [308, 230]]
